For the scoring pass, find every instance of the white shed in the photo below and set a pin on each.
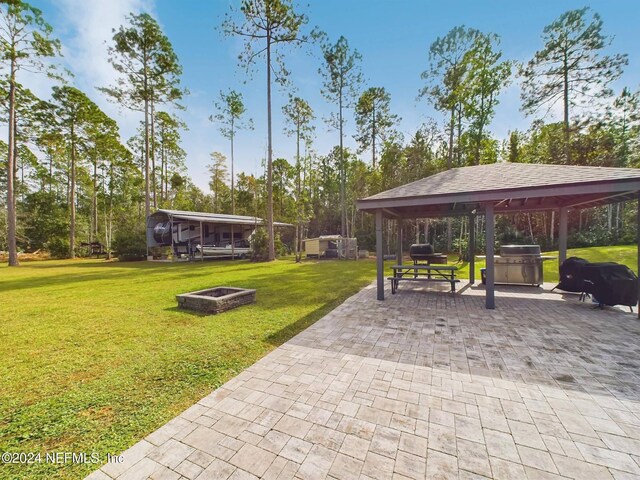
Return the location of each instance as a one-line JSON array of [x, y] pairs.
[[331, 246]]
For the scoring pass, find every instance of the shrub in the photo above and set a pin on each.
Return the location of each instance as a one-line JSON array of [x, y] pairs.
[[259, 245], [130, 245], [281, 247], [45, 224], [57, 247]]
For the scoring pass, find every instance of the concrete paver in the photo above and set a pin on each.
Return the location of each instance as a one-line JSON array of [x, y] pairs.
[[423, 385]]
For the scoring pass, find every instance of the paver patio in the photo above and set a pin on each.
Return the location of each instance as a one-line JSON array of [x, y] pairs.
[[422, 385]]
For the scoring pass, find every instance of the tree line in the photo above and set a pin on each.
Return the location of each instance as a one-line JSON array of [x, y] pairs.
[[69, 177]]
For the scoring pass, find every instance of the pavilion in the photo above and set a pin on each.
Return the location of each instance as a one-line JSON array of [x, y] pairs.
[[500, 188]]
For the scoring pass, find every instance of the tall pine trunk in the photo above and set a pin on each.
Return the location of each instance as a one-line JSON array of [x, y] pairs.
[[233, 200], [451, 134], [152, 152], [166, 174], [163, 180], [50, 172], [270, 230], [72, 196], [373, 134], [94, 203], [147, 193], [426, 231], [16, 161], [298, 195], [567, 132], [109, 219], [343, 206], [11, 195]]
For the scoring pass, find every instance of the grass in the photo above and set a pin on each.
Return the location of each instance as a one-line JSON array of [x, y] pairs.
[[625, 254], [96, 356]]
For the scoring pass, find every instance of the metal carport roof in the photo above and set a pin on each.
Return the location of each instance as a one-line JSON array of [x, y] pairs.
[[205, 217]]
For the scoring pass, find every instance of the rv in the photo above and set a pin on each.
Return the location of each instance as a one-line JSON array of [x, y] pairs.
[[192, 235]]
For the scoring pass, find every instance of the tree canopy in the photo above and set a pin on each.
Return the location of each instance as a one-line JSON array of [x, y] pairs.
[[65, 164], [570, 68]]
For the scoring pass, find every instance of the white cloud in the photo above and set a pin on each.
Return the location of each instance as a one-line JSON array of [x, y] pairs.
[[87, 32]]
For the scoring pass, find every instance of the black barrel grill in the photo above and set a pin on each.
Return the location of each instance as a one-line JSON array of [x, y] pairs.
[[608, 283], [425, 253], [420, 251]]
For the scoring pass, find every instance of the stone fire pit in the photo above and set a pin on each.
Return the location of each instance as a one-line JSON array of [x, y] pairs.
[[216, 300]]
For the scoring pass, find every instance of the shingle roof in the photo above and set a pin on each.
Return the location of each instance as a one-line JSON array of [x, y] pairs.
[[505, 176], [510, 187]]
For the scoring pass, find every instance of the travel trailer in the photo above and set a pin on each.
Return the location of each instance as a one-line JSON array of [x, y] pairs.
[[199, 235]]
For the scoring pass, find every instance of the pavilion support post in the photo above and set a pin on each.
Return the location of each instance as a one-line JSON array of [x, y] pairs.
[[490, 239], [192, 252], [233, 241], [379, 256], [201, 243], [399, 246], [472, 249], [173, 252], [146, 234], [638, 249], [562, 235]]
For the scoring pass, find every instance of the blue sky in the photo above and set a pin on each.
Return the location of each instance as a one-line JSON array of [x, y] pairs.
[[393, 37]]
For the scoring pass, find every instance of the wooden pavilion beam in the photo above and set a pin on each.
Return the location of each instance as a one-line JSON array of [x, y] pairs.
[[618, 197], [465, 210], [506, 206], [391, 212]]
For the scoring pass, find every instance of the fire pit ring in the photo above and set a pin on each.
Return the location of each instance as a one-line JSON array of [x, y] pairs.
[[216, 300]]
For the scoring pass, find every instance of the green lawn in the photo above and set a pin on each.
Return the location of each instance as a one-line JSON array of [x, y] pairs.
[[626, 254], [95, 355]]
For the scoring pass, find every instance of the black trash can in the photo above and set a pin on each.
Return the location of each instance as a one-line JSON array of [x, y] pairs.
[[483, 275]]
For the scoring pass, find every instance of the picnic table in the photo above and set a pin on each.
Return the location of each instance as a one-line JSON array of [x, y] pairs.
[[423, 273], [94, 248]]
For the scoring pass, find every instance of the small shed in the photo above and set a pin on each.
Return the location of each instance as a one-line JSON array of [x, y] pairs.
[[331, 246]]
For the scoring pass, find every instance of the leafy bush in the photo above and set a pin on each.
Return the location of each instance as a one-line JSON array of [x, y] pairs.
[[367, 240], [3, 228], [130, 244], [46, 224], [281, 247], [57, 247], [259, 245]]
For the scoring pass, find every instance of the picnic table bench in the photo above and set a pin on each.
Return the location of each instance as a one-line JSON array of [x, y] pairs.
[[94, 248], [423, 273]]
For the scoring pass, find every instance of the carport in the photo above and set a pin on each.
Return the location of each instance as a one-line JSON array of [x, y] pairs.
[[500, 188]]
